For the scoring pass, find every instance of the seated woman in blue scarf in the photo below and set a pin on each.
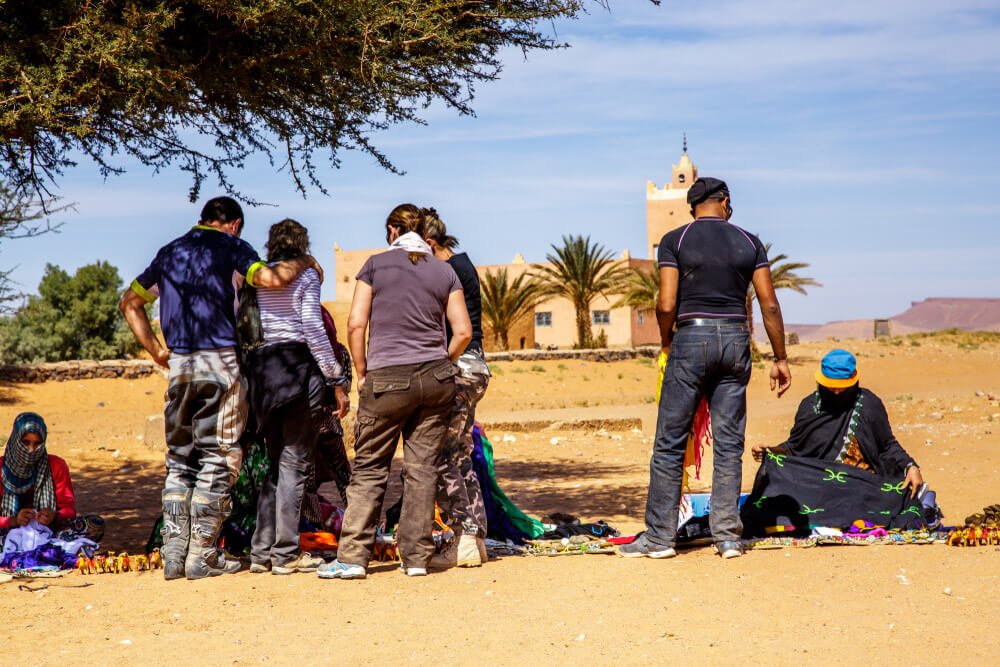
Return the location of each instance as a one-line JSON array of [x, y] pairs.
[[840, 460]]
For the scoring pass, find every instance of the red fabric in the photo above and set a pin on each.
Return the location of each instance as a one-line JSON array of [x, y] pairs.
[[65, 498]]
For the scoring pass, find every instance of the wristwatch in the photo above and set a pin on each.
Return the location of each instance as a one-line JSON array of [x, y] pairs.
[[776, 359]]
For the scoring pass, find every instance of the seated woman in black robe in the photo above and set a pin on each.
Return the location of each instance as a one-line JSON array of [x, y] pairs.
[[840, 464], [846, 423]]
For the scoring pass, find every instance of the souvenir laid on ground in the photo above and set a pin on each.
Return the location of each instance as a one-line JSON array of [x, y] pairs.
[[577, 545], [980, 529]]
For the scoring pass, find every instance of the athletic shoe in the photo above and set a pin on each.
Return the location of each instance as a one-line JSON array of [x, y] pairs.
[[413, 571], [463, 552], [338, 570], [260, 568], [640, 547], [305, 562], [729, 549]]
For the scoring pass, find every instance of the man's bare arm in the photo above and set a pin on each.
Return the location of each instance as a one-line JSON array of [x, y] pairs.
[[133, 307], [666, 304], [283, 273], [781, 375]]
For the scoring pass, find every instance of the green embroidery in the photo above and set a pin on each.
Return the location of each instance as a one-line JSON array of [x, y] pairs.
[[912, 509], [779, 459], [835, 476], [808, 510], [760, 501], [898, 488]]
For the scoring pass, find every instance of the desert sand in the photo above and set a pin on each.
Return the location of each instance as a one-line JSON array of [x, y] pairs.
[[927, 604]]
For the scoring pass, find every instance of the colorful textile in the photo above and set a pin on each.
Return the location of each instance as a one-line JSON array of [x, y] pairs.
[[23, 471], [791, 495], [701, 429], [504, 520]]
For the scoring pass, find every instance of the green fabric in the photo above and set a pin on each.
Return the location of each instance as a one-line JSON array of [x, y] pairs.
[[526, 524]]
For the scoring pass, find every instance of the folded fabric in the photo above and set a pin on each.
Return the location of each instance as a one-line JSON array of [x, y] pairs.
[[48, 555], [27, 538]]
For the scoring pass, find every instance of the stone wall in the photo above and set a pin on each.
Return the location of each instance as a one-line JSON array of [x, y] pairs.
[[603, 354], [77, 370]]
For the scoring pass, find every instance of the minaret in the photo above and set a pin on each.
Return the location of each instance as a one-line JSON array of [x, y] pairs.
[[667, 207]]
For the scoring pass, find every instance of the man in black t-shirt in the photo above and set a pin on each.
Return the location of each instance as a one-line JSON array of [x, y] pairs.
[[706, 268]]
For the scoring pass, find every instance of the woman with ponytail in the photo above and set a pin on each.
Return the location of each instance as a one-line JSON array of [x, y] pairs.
[[406, 386], [459, 494]]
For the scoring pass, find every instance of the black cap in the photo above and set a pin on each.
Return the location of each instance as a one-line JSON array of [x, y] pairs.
[[707, 188]]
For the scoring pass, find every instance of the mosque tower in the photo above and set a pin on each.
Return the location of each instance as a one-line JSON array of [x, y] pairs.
[[667, 207]]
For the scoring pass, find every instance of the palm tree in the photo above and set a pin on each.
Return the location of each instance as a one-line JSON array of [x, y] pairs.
[[580, 271], [642, 290], [783, 276], [504, 303]]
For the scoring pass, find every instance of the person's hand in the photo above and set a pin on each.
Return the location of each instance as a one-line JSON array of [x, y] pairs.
[[758, 452], [45, 517], [781, 376], [24, 517], [361, 383], [162, 356], [913, 480], [343, 401], [314, 264]]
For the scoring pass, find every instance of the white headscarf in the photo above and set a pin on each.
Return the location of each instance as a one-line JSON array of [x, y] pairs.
[[411, 242]]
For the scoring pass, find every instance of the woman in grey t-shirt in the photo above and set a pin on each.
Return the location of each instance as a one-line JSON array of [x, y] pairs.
[[406, 385]]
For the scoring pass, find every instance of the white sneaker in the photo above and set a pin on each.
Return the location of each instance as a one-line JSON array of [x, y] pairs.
[[413, 571], [338, 570]]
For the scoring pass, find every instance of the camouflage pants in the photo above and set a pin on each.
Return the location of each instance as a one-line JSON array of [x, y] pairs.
[[458, 491]]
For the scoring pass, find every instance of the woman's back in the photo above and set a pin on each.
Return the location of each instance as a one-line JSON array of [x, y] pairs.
[[407, 324], [292, 315]]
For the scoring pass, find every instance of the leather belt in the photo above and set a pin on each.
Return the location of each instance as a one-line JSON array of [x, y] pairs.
[[710, 321]]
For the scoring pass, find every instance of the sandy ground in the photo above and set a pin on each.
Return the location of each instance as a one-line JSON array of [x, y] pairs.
[[886, 604]]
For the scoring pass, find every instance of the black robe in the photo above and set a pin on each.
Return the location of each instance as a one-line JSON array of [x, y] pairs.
[[823, 420]]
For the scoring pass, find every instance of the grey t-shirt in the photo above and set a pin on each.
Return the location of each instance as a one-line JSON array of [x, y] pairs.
[[408, 308]]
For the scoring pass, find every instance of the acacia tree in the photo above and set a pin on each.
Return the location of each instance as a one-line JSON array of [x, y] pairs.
[[579, 271], [206, 84], [21, 216], [505, 302]]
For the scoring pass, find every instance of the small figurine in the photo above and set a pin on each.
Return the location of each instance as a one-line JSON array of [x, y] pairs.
[[155, 560]]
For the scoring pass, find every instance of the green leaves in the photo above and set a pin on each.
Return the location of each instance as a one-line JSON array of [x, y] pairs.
[[72, 317], [505, 302], [204, 84], [579, 271]]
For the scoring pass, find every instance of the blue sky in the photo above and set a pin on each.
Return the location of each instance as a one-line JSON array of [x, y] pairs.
[[861, 137]]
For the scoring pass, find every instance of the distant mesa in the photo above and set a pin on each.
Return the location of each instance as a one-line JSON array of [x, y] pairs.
[[934, 314]]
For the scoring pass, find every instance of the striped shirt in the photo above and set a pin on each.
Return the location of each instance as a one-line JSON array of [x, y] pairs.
[[292, 315]]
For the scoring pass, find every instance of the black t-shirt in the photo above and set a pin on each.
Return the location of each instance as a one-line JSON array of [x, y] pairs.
[[716, 261], [467, 275]]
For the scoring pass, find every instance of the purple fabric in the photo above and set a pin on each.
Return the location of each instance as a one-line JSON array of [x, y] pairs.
[[47, 555]]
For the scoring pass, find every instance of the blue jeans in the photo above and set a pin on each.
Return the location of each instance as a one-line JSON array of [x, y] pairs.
[[711, 361]]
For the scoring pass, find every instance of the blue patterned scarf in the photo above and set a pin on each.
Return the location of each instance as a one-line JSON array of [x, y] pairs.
[[24, 470]]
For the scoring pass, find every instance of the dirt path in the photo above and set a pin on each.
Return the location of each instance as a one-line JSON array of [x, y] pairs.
[[788, 606]]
